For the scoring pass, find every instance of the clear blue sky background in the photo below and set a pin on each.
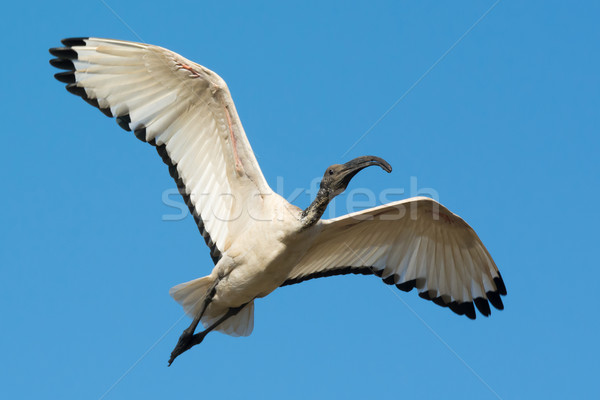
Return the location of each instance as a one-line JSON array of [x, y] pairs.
[[505, 128]]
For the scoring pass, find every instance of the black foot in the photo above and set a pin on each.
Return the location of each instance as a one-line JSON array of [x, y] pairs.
[[183, 344], [186, 342]]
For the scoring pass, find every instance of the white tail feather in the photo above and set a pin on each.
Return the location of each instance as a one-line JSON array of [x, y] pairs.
[[240, 324], [191, 294]]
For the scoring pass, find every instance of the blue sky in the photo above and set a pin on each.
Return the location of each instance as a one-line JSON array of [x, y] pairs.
[[504, 128]]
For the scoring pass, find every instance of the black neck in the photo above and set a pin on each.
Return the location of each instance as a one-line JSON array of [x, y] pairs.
[[313, 213]]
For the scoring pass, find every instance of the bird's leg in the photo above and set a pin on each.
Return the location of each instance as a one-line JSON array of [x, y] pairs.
[[185, 340], [199, 337]]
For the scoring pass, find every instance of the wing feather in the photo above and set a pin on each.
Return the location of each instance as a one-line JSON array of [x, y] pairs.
[[429, 248], [183, 109]]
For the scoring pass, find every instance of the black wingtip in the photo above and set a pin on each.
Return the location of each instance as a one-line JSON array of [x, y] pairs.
[[426, 295], [65, 77], [500, 284], [483, 306], [62, 64], [74, 41], [140, 133], [456, 307], [439, 301], [391, 280], [162, 152], [124, 121], [63, 52], [407, 286], [495, 299], [76, 90], [106, 111], [470, 310]]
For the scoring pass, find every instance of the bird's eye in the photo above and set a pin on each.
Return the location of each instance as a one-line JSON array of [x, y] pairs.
[[330, 172]]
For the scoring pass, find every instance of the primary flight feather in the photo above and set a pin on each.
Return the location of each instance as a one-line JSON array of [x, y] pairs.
[[258, 241]]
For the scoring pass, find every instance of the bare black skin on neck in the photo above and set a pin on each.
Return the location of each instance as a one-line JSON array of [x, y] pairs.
[[334, 182]]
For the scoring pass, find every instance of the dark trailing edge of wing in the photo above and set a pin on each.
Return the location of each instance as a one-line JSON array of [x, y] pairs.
[[465, 308], [63, 61]]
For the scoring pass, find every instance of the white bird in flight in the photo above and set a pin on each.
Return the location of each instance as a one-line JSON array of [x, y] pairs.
[[258, 241]]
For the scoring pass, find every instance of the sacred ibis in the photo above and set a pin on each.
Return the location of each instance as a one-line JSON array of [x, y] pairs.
[[258, 241]]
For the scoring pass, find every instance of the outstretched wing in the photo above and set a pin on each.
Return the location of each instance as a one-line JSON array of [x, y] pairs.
[[186, 112], [411, 243]]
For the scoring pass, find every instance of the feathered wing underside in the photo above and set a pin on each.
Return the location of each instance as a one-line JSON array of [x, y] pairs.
[[411, 243], [186, 112]]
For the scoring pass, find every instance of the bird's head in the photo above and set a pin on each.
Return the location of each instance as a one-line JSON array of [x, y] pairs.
[[338, 176]]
